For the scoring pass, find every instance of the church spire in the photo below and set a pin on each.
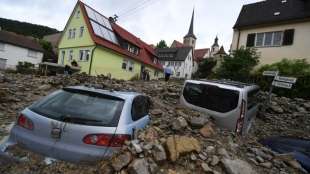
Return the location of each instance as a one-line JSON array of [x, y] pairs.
[[191, 28]]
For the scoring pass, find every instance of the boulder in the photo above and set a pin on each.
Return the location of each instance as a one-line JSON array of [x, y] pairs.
[[179, 123], [207, 131], [199, 122], [177, 145], [121, 160], [139, 166], [237, 166], [159, 153]]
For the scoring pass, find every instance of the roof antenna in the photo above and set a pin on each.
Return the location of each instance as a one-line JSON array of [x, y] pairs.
[[113, 19]]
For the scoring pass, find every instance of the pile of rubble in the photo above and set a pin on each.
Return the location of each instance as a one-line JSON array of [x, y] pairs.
[[177, 140]]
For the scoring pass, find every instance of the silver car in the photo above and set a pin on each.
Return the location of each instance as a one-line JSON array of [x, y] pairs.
[[233, 105], [81, 124]]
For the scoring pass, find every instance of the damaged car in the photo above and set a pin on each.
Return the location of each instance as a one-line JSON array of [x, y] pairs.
[[81, 124], [233, 105]]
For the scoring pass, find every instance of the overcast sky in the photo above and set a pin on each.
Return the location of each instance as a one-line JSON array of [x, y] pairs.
[[151, 20]]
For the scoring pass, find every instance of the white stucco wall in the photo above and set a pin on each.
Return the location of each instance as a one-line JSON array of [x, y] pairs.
[[185, 68], [14, 54], [300, 48]]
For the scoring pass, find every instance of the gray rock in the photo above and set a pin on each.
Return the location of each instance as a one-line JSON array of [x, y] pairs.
[[202, 157], [266, 164], [179, 123], [215, 160], [136, 146], [159, 153], [260, 159], [199, 122], [223, 152], [193, 157], [206, 167], [237, 166], [121, 161], [210, 149], [139, 166], [277, 109]]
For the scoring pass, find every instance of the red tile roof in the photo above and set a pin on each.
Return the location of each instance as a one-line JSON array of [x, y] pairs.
[[146, 52], [199, 53]]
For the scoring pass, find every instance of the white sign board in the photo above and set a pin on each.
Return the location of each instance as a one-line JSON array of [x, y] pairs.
[[286, 79], [270, 73], [282, 84]]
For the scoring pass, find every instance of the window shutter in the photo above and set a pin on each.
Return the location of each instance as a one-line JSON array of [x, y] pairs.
[[288, 37], [250, 40]]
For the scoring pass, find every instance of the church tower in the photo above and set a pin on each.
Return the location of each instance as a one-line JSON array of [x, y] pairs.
[[190, 39], [215, 47]]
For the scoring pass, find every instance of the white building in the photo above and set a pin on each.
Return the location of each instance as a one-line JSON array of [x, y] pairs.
[[179, 60], [17, 48]]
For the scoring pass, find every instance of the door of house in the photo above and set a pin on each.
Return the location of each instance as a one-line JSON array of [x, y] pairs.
[[2, 63], [141, 72]]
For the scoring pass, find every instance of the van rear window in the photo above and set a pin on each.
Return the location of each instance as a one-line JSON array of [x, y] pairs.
[[211, 97]]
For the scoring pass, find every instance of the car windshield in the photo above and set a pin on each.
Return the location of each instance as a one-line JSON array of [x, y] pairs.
[[80, 107]]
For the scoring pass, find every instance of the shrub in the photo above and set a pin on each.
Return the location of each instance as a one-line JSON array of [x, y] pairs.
[[25, 68], [239, 65], [205, 68]]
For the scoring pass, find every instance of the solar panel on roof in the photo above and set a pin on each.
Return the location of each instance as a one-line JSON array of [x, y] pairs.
[[101, 25]]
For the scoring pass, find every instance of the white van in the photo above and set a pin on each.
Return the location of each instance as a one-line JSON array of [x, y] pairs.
[[233, 105]]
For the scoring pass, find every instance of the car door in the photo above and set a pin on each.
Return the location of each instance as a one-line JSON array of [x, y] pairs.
[[140, 112]]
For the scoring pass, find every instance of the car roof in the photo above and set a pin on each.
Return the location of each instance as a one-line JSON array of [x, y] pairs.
[[120, 94], [228, 83]]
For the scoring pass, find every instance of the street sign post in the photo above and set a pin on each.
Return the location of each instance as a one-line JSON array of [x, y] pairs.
[[282, 84], [286, 79], [270, 73], [279, 81]]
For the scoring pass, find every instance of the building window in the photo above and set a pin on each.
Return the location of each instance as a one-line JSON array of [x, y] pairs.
[[78, 14], [259, 39], [81, 31], [132, 49], [69, 33], [127, 65], [32, 53], [81, 55], [63, 53], [268, 39], [70, 57], [155, 73], [124, 64], [73, 33], [84, 55], [2, 46]]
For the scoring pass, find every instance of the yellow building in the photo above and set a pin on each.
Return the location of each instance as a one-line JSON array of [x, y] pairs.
[[276, 28], [100, 46]]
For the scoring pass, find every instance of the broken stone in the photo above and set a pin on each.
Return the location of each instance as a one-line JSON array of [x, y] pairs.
[[178, 145], [266, 164], [207, 131], [223, 152], [199, 122], [156, 112], [159, 153], [215, 160], [237, 166], [206, 167], [136, 146], [179, 123], [121, 161], [139, 166]]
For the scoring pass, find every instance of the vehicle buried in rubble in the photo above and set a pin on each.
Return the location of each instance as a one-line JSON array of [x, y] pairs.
[[233, 105], [81, 124]]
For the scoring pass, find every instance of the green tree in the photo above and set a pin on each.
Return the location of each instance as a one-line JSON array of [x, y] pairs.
[[49, 55], [205, 68], [161, 44], [238, 65]]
